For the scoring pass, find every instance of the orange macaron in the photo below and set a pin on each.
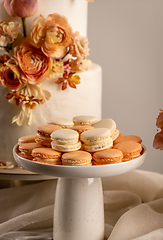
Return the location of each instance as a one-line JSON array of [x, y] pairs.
[[108, 156], [77, 158], [44, 132], [125, 138], [130, 149], [26, 139], [25, 150], [46, 155]]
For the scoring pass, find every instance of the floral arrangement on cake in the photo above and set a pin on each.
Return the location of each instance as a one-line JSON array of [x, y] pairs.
[[51, 51], [158, 139]]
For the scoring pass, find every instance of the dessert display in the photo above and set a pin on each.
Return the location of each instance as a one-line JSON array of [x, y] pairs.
[[44, 68], [92, 146]]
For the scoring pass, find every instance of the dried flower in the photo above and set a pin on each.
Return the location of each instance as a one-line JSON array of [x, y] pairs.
[[21, 8], [70, 79], [33, 63], [9, 30], [52, 34]]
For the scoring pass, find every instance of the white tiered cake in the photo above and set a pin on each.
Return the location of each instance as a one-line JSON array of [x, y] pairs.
[[84, 100]]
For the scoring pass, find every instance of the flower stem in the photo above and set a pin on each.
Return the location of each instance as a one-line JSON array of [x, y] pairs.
[[24, 26]]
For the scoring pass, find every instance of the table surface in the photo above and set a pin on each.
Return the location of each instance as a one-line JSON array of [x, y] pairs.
[[18, 173]]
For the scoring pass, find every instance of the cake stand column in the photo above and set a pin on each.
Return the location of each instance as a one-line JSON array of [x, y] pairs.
[[79, 209]]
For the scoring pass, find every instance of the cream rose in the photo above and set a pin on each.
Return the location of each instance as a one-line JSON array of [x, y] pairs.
[[33, 63], [9, 31], [52, 35], [79, 46]]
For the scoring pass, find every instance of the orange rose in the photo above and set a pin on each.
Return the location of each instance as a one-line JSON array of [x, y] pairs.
[[33, 63], [52, 34], [8, 78]]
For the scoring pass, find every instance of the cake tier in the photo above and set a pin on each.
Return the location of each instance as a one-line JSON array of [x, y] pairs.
[[85, 100], [75, 11]]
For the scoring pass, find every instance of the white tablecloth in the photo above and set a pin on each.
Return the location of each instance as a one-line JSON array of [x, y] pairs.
[[133, 204]]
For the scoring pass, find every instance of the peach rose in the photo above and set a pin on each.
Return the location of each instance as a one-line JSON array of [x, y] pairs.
[[79, 46], [9, 31], [33, 63], [52, 35], [9, 78]]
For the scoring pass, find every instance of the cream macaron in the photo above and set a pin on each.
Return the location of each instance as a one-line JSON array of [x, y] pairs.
[[110, 124], [65, 140], [84, 120], [78, 158], [63, 122], [96, 139]]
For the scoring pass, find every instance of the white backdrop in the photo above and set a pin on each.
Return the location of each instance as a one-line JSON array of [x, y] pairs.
[[126, 39]]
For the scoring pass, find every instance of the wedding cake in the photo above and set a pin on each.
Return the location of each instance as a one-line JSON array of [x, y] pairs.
[[78, 94]]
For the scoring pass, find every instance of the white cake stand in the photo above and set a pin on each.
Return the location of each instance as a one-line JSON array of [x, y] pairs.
[[79, 209]]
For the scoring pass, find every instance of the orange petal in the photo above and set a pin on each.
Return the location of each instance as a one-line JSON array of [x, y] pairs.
[[159, 121], [158, 140]]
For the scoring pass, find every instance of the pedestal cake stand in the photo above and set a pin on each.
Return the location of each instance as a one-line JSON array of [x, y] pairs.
[[79, 208]]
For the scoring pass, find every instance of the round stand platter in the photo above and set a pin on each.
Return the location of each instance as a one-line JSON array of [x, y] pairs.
[[79, 208]]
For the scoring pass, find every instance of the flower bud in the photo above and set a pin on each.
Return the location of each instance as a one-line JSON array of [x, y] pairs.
[[21, 8]]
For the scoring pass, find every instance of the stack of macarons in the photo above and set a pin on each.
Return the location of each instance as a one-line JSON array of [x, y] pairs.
[[82, 141]]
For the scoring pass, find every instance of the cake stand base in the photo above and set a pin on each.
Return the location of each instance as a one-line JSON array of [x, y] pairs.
[[79, 211]]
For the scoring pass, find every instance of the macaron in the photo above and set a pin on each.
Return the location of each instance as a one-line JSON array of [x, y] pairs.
[[78, 158], [81, 128], [84, 120], [26, 139], [124, 138], [130, 149], [97, 139], [46, 155], [43, 134], [26, 150], [62, 122], [108, 156], [110, 124], [65, 140]]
